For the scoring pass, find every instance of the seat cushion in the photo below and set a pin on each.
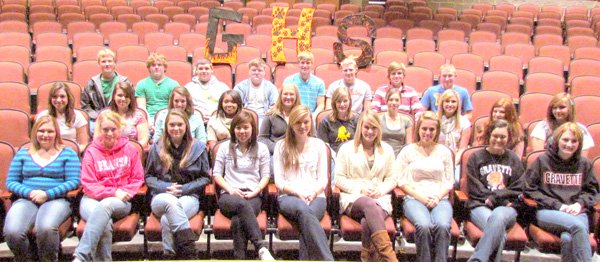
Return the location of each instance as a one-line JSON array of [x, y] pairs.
[[153, 230], [287, 231], [547, 242], [222, 224], [123, 230], [352, 229], [408, 230]]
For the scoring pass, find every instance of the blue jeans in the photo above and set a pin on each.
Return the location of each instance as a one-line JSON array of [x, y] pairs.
[[174, 214], [313, 241], [494, 224], [432, 228], [573, 231], [47, 217], [96, 242]]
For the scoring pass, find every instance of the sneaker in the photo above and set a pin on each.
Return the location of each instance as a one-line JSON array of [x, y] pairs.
[[265, 255]]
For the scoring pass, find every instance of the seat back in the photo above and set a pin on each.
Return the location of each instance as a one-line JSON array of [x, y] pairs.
[[18, 123]]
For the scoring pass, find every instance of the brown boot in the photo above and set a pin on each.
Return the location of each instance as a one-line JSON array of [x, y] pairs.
[[383, 246], [369, 254]]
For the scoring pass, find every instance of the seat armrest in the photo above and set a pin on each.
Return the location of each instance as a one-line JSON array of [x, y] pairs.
[[461, 196], [5, 195], [74, 193], [597, 207], [142, 191], [272, 191], [210, 190], [529, 202], [398, 193]]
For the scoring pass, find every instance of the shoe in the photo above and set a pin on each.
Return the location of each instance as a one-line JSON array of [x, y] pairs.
[[265, 255], [184, 244]]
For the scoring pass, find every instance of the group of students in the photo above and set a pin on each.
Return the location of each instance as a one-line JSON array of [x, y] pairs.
[[373, 152]]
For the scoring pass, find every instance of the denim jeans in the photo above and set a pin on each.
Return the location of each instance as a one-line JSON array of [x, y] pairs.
[[244, 225], [174, 213], [47, 217], [96, 242], [573, 231], [432, 236], [494, 224], [313, 241]]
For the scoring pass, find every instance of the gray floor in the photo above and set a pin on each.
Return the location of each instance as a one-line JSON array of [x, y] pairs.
[[287, 250]]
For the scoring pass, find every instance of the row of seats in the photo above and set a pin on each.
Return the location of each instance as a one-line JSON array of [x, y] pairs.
[[271, 222]]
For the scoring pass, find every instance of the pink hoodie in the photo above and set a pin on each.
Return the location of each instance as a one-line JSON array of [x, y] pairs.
[[103, 170]]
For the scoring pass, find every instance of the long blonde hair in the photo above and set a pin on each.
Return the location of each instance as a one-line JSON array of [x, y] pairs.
[[339, 94], [165, 156], [290, 152], [368, 117], [58, 143], [277, 109], [442, 99]]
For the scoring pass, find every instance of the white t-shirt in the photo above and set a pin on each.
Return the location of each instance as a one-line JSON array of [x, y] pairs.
[[542, 131], [65, 131], [256, 100], [359, 91]]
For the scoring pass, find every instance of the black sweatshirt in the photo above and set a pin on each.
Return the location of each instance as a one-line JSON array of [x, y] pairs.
[[552, 181], [495, 177]]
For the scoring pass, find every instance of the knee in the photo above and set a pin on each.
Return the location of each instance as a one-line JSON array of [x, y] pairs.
[[423, 227], [566, 238], [164, 202], [443, 225], [11, 234], [45, 229], [578, 226], [501, 217]]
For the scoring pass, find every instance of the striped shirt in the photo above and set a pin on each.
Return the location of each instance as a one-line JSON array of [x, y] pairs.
[[310, 90], [56, 179], [409, 102]]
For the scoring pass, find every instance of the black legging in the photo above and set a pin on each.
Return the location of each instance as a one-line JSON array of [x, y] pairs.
[[244, 225], [371, 217]]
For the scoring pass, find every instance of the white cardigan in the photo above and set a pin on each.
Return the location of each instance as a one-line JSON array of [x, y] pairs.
[[352, 174]]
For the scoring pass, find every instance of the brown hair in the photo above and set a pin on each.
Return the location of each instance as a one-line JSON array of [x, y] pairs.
[[512, 118], [165, 156], [575, 129], [243, 117], [559, 98], [70, 110], [129, 91], [189, 103]]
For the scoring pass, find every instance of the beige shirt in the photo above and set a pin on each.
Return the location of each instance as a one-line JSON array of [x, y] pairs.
[[427, 174], [352, 174]]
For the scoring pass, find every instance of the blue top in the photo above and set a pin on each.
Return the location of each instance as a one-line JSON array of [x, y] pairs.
[[431, 95], [56, 179], [310, 90], [196, 126]]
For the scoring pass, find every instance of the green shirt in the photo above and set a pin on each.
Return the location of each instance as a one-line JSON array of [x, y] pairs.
[[108, 87], [156, 94]]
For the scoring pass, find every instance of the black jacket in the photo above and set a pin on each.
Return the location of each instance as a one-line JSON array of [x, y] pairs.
[[552, 181], [497, 177]]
